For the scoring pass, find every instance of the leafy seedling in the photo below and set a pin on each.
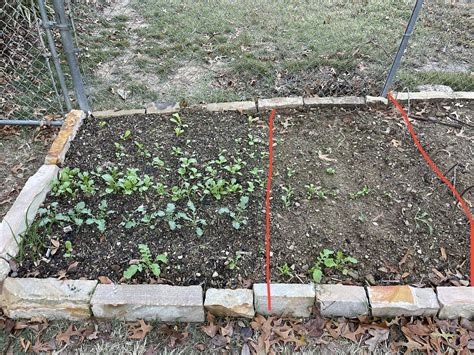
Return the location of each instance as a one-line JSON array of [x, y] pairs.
[[363, 192], [287, 196], [237, 216], [170, 216], [423, 218], [193, 219], [328, 259], [179, 129], [331, 171], [233, 262], [68, 247], [285, 270], [146, 262], [125, 135]]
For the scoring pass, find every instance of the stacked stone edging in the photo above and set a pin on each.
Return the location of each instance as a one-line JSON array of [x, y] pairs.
[[81, 299], [295, 102]]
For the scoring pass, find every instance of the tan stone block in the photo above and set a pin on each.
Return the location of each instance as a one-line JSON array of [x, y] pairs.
[[296, 300], [342, 301], [334, 101], [230, 303], [150, 302], [119, 113], [280, 102], [157, 108], [392, 301], [239, 106], [456, 302], [48, 298]]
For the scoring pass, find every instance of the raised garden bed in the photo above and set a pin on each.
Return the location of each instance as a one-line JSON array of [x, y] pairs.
[[347, 180]]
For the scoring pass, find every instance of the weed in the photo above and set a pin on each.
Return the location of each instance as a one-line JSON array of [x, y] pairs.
[[424, 218], [285, 270], [146, 262], [232, 263], [363, 192], [237, 216], [287, 196], [327, 259]]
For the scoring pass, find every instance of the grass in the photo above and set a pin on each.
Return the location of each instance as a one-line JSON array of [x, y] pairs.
[[269, 49], [264, 49]]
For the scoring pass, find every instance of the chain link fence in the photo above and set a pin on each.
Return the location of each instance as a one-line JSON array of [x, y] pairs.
[[28, 80], [135, 52]]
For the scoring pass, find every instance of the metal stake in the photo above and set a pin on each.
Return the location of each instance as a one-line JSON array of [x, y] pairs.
[[402, 47], [66, 39], [54, 54]]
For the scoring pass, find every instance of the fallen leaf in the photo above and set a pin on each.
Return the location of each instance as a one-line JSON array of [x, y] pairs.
[[210, 330], [67, 335], [378, 336], [138, 330], [325, 157], [73, 266], [219, 341], [443, 254], [104, 280]]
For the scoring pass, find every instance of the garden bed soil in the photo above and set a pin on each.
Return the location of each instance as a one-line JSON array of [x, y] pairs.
[[405, 228]]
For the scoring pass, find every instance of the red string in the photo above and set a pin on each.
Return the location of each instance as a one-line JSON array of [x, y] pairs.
[[267, 234], [443, 178]]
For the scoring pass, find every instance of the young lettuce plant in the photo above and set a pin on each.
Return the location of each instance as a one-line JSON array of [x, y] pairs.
[[146, 262], [170, 216], [237, 216], [177, 120], [193, 219]]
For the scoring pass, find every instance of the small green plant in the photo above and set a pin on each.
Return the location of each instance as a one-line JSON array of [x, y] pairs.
[[102, 124], [179, 129], [423, 218], [141, 148], [232, 263], [111, 180], [86, 183], [362, 217], [171, 216], [237, 216], [125, 135], [68, 247], [100, 219], [66, 183], [290, 172], [146, 262], [330, 171], [285, 270], [119, 150], [158, 163], [287, 196], [193, 219], [328, 259], [363, 192]]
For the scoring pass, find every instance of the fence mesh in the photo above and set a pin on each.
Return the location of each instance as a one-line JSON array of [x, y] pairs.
[[133, 52], [27, 85]]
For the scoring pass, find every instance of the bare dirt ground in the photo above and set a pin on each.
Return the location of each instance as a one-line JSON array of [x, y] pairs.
[[22, 151]]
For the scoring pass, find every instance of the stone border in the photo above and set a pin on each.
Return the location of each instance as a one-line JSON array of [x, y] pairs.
[[296, 102], [82, 299]]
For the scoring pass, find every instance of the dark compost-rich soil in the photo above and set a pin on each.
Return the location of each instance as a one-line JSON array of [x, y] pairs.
[[403, 226]]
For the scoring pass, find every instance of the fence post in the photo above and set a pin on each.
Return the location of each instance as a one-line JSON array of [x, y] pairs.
[[402, 47], [66, 40], [46, 24]]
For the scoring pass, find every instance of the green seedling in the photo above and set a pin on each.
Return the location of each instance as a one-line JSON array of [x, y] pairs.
[[179, 129], [86, 183], [328, 259], [146, 262], [111, 179], [119, 150], [362, 217], [68, 247], [177, 151], [171, 216], [233, 262], [125, 135], [158, 163], [237, 216], [290, 172], [102, 124], [363, 192], [100, 219], [424, 218], [287, 196], [143, 151], [215, 187], [193, 219], [285, 270], [331, 171], [66, 182]]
